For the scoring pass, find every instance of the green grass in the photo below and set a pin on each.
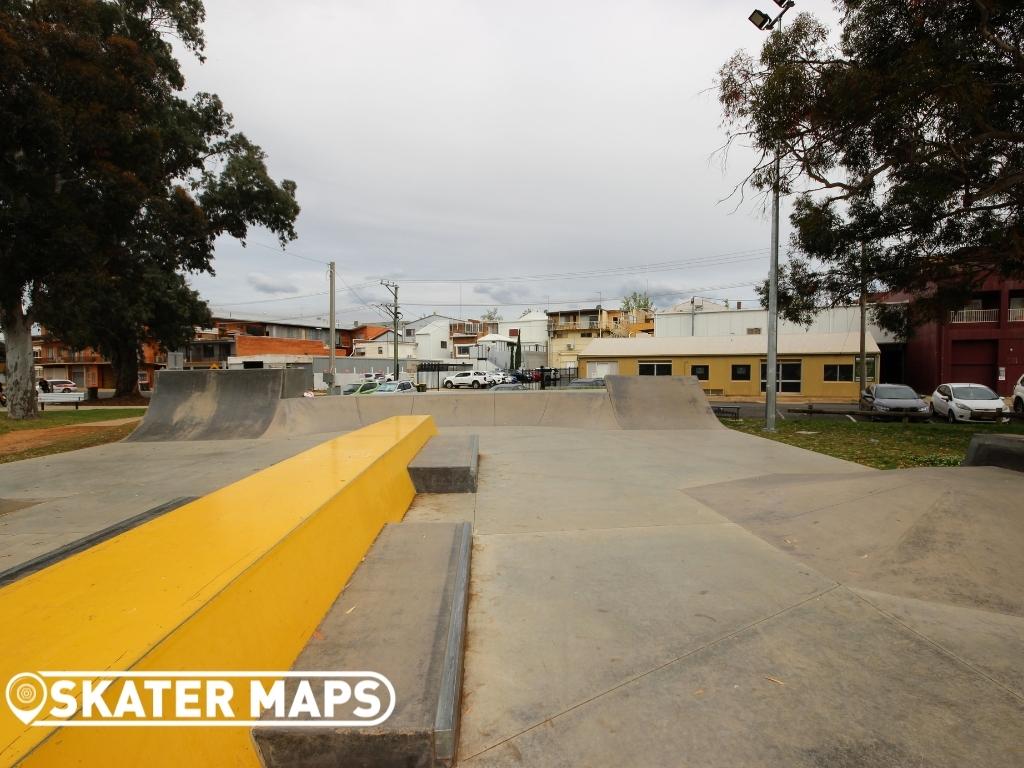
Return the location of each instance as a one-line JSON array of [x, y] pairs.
[[66, 416], [883, 445]]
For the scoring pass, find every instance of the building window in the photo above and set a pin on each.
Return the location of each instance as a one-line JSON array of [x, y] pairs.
[[410, 333], [444, 345], [787, 376], [380, 350], [598, 370], [870, 367], [700, 371], [462, 351], [586, 335], [842, 372], [655, 368], [741, 373]]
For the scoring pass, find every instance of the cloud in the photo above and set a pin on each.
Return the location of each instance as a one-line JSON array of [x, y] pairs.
[[474, 138], [273, 285]]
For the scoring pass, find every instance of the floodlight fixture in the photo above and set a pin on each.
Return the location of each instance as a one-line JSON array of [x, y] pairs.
[[761, 20]]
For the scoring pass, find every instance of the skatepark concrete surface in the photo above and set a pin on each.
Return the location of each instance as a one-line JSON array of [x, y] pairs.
[[684, 595], [628, 609]]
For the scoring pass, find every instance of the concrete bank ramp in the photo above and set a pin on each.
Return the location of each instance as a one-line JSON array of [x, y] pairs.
[[216, 404], [582, 409], [660, 402]]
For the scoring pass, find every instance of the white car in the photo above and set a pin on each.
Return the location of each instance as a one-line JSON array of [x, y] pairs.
[[62, 385], [499, 377], [474, 379], [1018, 396], [967, 402], [394, 388]]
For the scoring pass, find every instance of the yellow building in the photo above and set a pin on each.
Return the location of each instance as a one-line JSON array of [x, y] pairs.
[[818, 366]]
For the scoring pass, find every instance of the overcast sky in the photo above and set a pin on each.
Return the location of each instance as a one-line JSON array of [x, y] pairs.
[[458, 141]]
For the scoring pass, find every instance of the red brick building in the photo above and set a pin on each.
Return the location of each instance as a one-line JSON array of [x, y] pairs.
[[982, 343]]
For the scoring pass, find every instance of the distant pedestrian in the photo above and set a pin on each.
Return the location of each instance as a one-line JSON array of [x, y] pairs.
[[44, 386]]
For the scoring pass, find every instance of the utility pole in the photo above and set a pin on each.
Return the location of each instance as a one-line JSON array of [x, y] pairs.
[[763, 21], [393, 290], [332, 374], [863, 319], [771, 385]]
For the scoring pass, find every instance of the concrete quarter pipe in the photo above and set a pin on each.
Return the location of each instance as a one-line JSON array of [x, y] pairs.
[[219, 405], [216, 404]]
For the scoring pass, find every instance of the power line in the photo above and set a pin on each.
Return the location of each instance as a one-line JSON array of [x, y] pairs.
[[279, 249], [664, 266], [590, 299]]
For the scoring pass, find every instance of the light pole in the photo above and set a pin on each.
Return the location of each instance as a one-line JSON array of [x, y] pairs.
[[763, 21]]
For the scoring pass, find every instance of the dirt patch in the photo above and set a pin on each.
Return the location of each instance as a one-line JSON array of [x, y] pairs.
[[27, 439]]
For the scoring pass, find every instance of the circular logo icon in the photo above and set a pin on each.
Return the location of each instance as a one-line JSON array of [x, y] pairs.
[[26, 695]]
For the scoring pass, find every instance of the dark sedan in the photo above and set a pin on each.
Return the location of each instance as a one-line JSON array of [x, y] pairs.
[[894, 401]]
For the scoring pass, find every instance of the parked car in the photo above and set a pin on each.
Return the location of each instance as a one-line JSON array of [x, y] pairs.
[[395, 387], [586, 384], [501, 377], [516, 387], [1018, 396], [62, 385], [474, 379], [360, 388], [967, 402], [894, 401]]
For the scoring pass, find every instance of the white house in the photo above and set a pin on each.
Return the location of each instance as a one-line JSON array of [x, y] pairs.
[[432, 335], [382, 345]]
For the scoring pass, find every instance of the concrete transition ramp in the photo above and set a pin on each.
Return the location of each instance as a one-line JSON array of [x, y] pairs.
[[660, 402], [216, 405]]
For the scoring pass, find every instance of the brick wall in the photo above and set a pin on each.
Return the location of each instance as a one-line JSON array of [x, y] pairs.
[[269, 345]]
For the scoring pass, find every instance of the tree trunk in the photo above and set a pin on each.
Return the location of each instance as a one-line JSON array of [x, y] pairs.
[[124, 359], [21, 371]]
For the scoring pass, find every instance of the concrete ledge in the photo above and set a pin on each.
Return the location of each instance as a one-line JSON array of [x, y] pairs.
[[237, 580], [403, 615], [1005, 451], [447, 464]]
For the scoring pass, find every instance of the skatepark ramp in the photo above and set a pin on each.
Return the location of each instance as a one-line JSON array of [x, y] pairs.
[[217, 404], [660, 402]]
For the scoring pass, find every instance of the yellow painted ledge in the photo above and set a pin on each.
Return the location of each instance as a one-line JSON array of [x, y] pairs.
[[238, 579]]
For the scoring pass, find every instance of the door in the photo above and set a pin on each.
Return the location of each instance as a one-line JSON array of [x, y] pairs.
[[974, 362]]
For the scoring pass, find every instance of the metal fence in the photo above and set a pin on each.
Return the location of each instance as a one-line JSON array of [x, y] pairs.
[[433, 374]]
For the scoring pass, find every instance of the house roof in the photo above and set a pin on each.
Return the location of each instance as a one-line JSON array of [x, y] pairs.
[[496, 337], [375, 333], [679, 346]]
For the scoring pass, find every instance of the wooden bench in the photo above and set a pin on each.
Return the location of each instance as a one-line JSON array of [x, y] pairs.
[[59, 398]]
